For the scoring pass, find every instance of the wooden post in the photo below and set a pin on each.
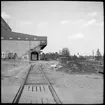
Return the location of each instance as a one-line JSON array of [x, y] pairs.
[[14, 62]]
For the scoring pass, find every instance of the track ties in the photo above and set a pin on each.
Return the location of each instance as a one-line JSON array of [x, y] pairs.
[[40, 88], [36, 88], [32, 88], [43, 88]]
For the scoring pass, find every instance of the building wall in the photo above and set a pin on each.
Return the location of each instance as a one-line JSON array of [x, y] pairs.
[[19, 47]]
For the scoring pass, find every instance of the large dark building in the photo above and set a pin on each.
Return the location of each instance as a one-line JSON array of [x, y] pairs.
[[26, 46]]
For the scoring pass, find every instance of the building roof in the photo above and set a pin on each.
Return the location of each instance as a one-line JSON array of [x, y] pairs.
[[5, 25], [9, 35], [6, 35]]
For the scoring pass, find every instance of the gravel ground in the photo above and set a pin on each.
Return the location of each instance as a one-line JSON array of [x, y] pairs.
[[77, 88], [71, 88]]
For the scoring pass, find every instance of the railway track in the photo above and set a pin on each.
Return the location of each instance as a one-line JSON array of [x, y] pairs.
[[36, 88]]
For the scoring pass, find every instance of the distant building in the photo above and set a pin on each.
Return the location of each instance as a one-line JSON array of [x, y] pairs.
[[63, 60], [90, 58], [4, 55], [25, 57], [25, 45]]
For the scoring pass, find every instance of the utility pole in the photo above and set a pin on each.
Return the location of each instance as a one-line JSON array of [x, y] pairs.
[[14, 61], [29, 51], [14, 58], [93, 54]]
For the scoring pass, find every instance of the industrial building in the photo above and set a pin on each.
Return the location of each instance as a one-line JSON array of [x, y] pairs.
[[27, 47]]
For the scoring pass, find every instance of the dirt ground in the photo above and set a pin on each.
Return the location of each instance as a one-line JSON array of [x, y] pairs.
[[71, 88], [77, 88]]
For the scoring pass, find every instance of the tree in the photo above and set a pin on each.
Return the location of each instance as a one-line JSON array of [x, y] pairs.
[[42, 56], [60, 52], [15, 55], [56, 55], [65, 52], [49, 56], [81, 57], [74, 57], [98, 55]]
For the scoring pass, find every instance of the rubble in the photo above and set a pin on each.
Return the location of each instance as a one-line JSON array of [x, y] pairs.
[[76, 67]]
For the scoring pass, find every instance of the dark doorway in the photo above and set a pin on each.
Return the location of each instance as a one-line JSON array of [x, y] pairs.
[[34, 56]]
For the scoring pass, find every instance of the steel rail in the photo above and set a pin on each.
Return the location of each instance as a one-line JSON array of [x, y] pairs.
[[19, 93], [52, 90]]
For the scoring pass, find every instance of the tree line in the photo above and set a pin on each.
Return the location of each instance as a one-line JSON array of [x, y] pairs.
[[66, 53]]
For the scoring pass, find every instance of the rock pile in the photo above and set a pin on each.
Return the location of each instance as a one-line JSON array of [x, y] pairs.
[[76, 67]]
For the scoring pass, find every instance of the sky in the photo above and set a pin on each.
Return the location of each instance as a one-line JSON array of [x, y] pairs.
[[76, 25]]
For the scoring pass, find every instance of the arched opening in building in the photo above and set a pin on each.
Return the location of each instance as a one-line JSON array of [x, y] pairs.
[[34, 56]]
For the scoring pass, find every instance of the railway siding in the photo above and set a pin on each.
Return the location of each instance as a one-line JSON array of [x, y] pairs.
[[69, 88], [30, 92]]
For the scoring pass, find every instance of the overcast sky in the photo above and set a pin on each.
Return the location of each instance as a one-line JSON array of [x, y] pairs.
[[76, 25]]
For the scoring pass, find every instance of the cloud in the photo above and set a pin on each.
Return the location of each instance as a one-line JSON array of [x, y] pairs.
[[79, 23], [42, 24], [92, 14], [64, 22], [76, 36], [100, 24], [5, 15], [26, 22], [91, 22]]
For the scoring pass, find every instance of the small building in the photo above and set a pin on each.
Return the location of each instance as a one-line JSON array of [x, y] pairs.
[[4, 55], [90, 58], [63, 60], [25, 57]]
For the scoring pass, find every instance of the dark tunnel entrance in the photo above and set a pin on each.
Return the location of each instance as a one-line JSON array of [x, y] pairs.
[[34, 56]]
